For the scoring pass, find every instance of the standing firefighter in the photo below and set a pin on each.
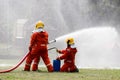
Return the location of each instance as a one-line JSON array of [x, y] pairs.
[[68, 55], [38, 49]]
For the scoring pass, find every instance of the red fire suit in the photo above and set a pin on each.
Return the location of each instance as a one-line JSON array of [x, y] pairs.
[[38, 49], [68, 55]]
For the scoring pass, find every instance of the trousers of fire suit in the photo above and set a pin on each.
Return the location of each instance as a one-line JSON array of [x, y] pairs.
[[68, 55], [38, 49]]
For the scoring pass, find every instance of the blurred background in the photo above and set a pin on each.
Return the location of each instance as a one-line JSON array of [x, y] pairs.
[[93, 23]]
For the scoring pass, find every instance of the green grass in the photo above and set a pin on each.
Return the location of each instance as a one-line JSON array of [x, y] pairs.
[[84, 74]]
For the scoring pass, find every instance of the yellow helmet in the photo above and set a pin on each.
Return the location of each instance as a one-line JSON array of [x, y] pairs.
[[39, 24], [71, 40]]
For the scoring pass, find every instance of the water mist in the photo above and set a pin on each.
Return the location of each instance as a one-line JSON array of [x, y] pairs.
[[96, 47]]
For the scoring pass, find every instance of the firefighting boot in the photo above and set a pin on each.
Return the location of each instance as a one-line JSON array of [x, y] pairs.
[[50, 68], [27, 67], [75, 70], [35, 67]]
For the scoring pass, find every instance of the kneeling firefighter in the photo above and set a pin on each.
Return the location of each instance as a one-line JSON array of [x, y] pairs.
[[38, 49], [68, 55]]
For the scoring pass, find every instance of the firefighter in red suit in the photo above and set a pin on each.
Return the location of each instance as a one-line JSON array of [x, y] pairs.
[[68, 55], [38, 49]]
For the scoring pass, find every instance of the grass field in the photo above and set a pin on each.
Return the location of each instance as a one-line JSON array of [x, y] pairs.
[[84, 74]]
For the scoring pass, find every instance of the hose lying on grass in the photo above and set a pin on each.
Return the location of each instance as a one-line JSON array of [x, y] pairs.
[[11, 69]]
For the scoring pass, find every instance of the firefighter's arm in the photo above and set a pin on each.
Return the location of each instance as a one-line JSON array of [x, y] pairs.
[[60, 51], [32, 41], [63, 56]]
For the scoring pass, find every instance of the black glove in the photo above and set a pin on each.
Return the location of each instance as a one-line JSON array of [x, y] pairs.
[[30, 48]]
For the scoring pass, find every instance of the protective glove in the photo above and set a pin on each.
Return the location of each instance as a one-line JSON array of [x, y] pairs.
[[57, 50], [30, 48], [58, 58]]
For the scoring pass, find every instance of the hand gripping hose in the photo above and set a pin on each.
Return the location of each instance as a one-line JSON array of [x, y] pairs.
[[11, 69]]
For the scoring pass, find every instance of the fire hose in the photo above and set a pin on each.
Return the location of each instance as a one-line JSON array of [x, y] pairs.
[[11, 69]]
